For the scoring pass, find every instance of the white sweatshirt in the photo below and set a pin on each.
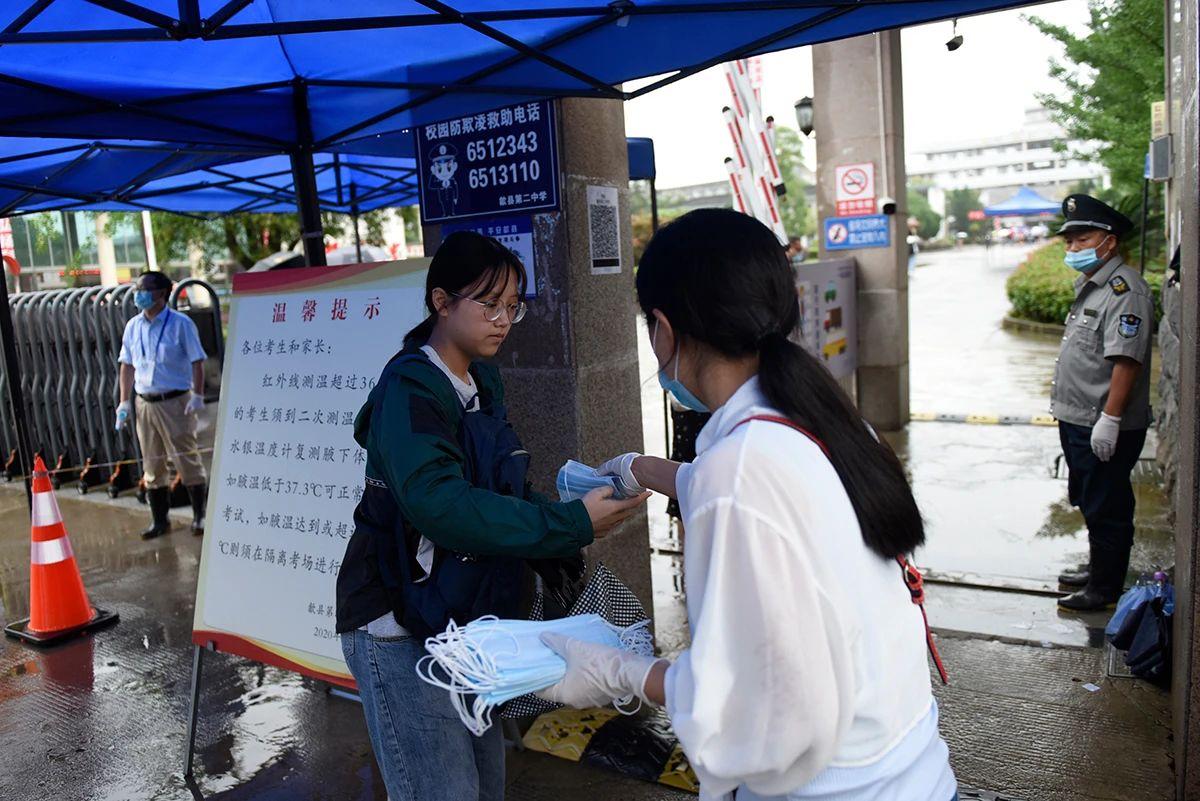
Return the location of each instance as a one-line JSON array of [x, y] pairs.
[[807, 675]]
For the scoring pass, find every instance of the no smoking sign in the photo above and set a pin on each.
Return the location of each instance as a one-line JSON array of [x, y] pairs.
[[855, 193]]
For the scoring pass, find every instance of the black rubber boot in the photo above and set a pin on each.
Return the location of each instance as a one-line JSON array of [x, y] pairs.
[[199, 495], [1077, 577], [1106, 579], [159, 499]]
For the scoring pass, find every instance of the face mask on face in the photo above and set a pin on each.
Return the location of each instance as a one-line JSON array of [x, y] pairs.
[[491, 661], [1084, 260], [673, 385], [143, 299]]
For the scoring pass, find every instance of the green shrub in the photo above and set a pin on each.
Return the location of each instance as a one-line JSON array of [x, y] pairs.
[[1042, 287]]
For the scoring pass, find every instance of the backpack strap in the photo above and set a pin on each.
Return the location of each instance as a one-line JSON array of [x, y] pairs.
[[911, 576]]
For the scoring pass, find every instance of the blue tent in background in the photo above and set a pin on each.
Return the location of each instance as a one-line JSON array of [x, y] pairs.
[[53, 174], [1023, 204]]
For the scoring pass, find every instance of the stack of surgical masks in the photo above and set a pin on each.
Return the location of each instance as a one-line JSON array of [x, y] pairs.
[[576, 479], [490, 661]]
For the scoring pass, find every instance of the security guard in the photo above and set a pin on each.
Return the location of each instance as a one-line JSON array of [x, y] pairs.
[[162, 360], [1101, 393]]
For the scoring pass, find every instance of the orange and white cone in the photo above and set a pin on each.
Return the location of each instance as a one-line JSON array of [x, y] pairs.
[[58, 603]]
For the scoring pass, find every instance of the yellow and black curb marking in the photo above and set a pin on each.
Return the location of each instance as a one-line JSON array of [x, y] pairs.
[[642, 746], [985, 419]]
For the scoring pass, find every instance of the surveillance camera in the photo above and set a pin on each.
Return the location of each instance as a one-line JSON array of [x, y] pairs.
[[887, 205], [954, 43]]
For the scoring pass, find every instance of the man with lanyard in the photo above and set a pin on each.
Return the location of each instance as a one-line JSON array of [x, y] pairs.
[[162, 361], [1101, 394]]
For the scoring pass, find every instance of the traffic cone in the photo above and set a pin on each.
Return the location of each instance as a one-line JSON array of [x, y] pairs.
[[58, 604]]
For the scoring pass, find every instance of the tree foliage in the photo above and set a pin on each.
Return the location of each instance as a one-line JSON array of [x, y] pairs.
[[929, 220], [1111, 76], [959, 205], [798, 219]]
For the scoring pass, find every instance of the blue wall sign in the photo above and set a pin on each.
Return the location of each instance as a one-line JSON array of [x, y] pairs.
[[496, 162], [515, 232], [848, 233]]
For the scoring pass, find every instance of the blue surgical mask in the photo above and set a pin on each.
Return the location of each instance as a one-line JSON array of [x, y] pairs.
[[489, 662], [674, 386], [1084, 261], [576, 479], [143, 299]]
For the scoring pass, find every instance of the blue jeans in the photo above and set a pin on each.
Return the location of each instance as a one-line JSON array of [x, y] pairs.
[[423, 750]]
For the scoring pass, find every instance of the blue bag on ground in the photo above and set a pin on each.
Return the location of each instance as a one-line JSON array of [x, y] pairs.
[[1141, 593], [1134, 597]]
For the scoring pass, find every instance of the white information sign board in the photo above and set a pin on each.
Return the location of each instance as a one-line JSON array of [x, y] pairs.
[[828, 314], [304, 349]]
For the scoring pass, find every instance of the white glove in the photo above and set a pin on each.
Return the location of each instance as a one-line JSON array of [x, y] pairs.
[[195, 404], [123, 411], [596, 674], [622, 468], [1104, 436]]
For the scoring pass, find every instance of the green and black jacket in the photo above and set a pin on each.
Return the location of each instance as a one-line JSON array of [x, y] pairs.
[[416, 485]]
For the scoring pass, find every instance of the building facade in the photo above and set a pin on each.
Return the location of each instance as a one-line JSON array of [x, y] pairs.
[[997, 166], [59, 249]]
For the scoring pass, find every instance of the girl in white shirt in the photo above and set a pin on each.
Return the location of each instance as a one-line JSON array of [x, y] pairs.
[[807, 677]]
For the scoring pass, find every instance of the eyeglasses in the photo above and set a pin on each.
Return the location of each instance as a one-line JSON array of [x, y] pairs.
[[492, 309]]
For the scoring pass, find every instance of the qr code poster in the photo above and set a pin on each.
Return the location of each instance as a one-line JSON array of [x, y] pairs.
[[604, 230]]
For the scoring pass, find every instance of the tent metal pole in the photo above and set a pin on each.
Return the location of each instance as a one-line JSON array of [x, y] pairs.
[[653, 208], [304, 177], [12, 374], [354, 218], [311, 232]]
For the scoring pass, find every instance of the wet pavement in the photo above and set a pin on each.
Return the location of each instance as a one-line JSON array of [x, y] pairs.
[[105, 716]]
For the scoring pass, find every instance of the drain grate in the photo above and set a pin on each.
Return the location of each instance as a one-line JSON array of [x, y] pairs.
[[968, 794], [1115, 660]]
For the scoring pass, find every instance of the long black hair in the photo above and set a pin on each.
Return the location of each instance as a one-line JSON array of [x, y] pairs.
[[723, 280], [465, 259]]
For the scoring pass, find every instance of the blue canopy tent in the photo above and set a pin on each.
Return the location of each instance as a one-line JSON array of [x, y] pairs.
[[1025, 203], [642, 168], [302, 76]]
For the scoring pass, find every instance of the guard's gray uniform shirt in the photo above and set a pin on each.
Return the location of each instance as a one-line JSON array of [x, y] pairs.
[[1112, 315]]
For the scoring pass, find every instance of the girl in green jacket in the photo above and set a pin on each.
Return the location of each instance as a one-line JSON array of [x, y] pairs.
[[445, 522]]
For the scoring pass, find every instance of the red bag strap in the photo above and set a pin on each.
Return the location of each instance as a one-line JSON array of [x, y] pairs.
[[911, 576]]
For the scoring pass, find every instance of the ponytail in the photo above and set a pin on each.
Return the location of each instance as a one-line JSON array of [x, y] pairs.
[[723, 280], [420, 333], [798, 385]]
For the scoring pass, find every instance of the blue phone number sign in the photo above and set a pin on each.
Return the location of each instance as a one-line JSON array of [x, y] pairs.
[[496, 162]]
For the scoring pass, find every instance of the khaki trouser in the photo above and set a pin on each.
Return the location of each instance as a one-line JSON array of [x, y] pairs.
[[164, 430]]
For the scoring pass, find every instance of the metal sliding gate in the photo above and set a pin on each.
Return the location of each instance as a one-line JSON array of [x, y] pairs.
[[67, 343]]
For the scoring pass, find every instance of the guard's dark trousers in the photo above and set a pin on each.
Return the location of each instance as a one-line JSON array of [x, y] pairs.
[[1104, 493]]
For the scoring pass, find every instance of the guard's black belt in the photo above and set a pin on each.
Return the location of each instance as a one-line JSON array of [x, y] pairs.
[[152, 397]]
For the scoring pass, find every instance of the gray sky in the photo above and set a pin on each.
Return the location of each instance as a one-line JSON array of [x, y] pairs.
[[982, 88]]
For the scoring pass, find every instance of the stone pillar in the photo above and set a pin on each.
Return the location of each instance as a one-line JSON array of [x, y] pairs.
[[106, 253], [859, 117], [570, 368], [1183, 36]]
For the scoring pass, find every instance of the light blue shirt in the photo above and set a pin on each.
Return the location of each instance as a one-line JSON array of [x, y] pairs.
[[161, 351]]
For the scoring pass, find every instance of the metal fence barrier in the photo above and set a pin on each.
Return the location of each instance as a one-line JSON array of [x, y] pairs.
[[67, 343]]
